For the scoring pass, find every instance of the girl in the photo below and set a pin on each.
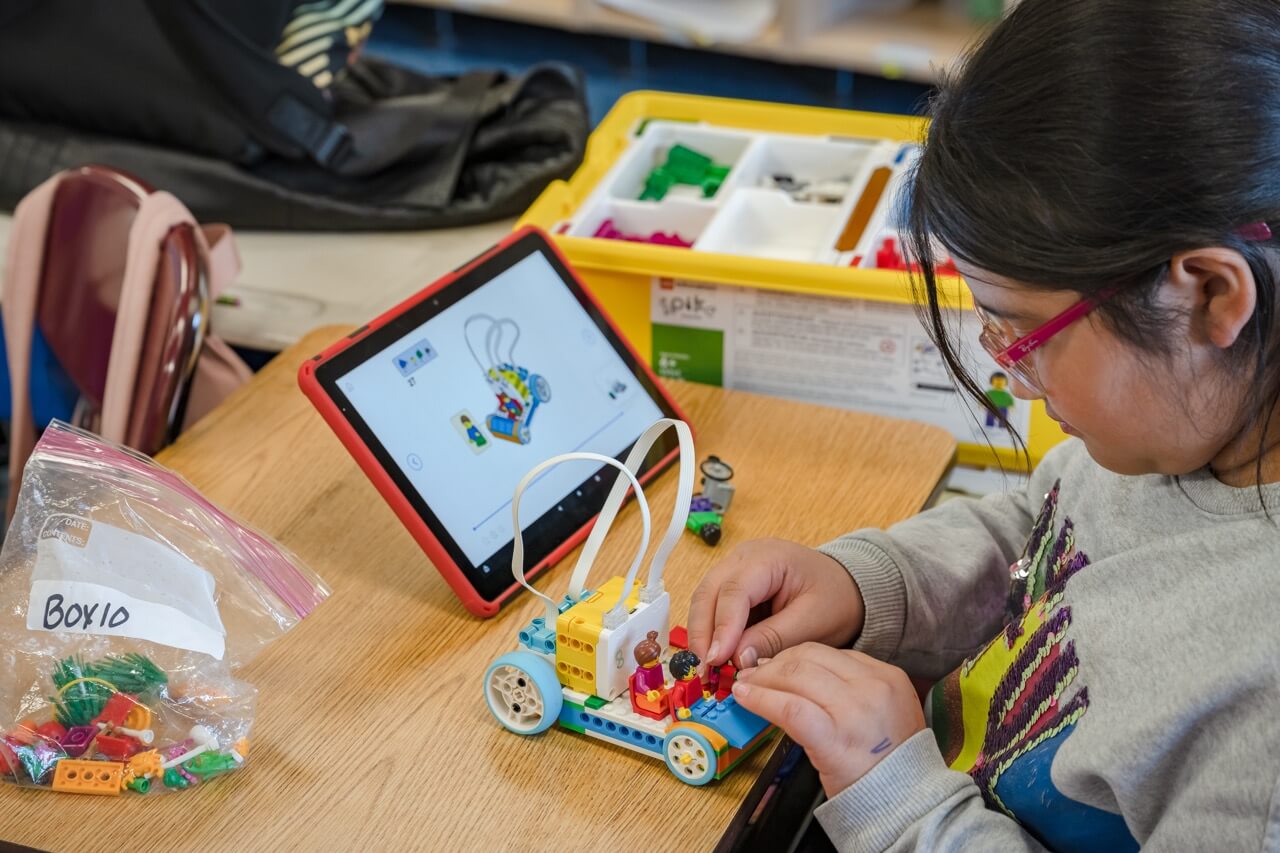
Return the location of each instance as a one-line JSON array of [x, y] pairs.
[[1106, 174]]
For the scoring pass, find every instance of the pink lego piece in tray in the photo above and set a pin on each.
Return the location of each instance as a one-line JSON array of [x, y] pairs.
[[607, 231]]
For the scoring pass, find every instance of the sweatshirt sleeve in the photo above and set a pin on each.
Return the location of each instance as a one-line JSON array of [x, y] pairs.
[[935, 585], [912, 801]]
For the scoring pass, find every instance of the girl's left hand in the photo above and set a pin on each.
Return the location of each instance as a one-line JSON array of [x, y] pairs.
[[847, 710]]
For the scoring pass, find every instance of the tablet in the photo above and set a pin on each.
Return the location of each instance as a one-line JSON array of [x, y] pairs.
[[446, 400]]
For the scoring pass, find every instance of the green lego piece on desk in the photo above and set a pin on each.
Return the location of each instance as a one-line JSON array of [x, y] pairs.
[[707, 525], [697, 519], [174, 779], [210, 764]]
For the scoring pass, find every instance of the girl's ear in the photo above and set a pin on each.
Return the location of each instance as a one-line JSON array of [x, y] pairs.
[[1217, 285]]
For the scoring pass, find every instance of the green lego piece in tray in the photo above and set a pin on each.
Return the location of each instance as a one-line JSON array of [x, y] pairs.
[[657, 185], [684, 165], [688, 166]]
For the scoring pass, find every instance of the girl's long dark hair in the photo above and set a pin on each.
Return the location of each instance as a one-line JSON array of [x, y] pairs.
[[1086, 142]]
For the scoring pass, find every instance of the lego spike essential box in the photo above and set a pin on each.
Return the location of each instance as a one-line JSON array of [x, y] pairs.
[[757, 246]]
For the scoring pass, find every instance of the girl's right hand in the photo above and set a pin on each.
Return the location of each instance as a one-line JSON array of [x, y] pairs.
[[768, 595]]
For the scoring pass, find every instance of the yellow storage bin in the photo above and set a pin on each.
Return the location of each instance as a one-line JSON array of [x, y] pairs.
[[780, 289]]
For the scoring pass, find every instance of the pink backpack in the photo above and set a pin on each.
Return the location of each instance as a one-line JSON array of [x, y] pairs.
[[121, 280]]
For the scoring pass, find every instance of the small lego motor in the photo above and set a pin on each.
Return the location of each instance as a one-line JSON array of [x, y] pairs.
[[716, 487], [706, 510]]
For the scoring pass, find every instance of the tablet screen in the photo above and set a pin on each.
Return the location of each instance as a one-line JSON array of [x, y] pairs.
[[512, 366]]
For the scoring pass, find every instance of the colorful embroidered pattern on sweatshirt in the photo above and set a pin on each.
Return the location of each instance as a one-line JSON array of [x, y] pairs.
[[1002, 716]]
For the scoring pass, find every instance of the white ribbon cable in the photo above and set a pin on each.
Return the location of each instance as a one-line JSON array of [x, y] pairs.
[[679, 514], [467, 337], [511, 350], [625, 477], [492, 339]]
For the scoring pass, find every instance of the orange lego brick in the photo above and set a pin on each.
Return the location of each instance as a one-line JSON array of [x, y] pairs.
[[88, 777], [147, 763], [139, 717]]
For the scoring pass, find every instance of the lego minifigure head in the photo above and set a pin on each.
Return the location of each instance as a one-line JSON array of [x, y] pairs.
[[466, 421], [999, 381], [647, 650], [683, 665]]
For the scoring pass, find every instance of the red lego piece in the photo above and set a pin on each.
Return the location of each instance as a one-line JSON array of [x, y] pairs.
[[8, 761], [52, 730], [116, 709], [888, 257], [679, 637], [722, 686], [117, 747]]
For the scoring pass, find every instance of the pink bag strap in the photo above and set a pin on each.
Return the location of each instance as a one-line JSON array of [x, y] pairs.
[[223, 262], [23, 268], [157, 215]]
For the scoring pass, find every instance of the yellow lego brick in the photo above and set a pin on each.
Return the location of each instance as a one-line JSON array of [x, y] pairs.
[[578, 633], [88, 777]]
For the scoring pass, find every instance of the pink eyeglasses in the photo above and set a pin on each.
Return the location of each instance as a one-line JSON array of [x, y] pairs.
[[1012, 354]]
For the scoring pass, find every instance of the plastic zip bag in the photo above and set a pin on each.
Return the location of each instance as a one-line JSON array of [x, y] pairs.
[[127, 603]]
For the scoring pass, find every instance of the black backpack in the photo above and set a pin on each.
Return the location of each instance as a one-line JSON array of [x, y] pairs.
[[189, 96]]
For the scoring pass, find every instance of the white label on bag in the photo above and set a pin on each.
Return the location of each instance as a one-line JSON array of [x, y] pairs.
[[93, 578]]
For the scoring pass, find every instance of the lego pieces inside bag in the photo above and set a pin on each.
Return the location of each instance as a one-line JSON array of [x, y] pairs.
[[127, 603]]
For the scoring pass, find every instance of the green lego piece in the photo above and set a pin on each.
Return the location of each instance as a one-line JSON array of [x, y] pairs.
[[684, 166], [208, 764], [142, 786], [714, 178], [697, 519], [174, 779], [688, 166], [657, 185], [595, 702]]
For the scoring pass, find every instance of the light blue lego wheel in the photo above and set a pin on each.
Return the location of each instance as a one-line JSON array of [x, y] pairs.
[[540, 386], [523, 693], [690, 755]]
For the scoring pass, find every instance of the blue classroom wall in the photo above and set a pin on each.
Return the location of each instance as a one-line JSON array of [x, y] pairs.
[[438, 42]]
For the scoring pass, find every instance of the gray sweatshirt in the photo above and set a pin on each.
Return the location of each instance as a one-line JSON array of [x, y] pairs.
[[1117, 686]]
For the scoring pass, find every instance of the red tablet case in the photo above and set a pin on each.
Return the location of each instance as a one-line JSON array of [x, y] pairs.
[[409, 517]]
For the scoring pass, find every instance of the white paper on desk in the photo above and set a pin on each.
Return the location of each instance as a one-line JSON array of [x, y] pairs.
[[705, 20], [92, 578]]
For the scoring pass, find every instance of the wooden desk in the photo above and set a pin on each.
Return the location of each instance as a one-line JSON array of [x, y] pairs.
[[371, 732]]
